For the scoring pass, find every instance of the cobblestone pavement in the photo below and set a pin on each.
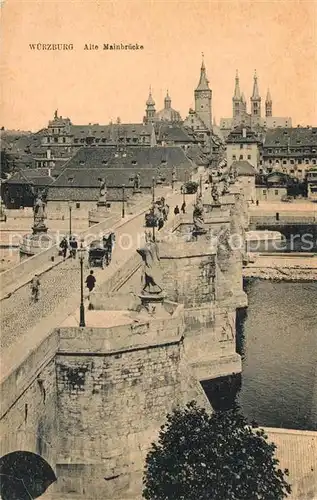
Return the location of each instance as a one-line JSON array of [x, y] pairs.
[[59, 286]]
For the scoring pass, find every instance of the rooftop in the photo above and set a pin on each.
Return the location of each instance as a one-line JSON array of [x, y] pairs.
[[293, 137], [125, 157], [243, 168]]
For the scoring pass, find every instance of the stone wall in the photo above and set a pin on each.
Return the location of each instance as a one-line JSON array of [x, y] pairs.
[[188, 273], [30, 423], [110, 409]]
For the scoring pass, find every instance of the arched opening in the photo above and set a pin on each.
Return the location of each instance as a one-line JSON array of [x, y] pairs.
[[24, 476]]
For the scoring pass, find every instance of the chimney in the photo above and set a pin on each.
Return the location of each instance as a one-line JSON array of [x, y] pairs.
[[244, 133]]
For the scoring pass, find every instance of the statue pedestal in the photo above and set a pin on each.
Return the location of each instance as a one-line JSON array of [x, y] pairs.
[[153, 304], [198, 232], [40, 229], [36, 242], [100, 213]]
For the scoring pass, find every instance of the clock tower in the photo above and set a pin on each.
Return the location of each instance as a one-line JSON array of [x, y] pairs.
[[203, 97]]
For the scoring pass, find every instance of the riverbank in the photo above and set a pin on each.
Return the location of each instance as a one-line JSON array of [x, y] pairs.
[[283, 267]]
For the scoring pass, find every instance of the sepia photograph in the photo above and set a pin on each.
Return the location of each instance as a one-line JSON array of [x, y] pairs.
[[158, 256]]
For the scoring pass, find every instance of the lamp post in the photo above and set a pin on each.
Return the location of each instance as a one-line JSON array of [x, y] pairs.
[[123, 197], [81, 255], [184, 188], [153, 204], [70, 206]]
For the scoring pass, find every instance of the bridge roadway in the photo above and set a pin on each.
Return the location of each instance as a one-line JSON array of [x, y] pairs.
[[22, 320]]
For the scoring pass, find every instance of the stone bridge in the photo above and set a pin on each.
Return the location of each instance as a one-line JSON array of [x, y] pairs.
[[90, 400]]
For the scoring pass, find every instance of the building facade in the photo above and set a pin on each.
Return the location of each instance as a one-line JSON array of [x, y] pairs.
[[243, 145], [290, 150], [312, 183]]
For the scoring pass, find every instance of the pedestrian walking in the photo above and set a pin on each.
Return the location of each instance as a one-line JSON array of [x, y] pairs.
[[73, 247], [183, 208], [91, 281], [35, 288], [64, 246], [176, 210]]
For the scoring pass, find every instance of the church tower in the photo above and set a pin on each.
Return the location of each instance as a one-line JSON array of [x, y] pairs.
[[268, 104], [203, 97], [236, 102], [167, 102], [150, 108], [255, 103]]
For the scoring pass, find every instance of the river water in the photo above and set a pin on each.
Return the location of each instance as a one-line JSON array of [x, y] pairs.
[[277, 338]]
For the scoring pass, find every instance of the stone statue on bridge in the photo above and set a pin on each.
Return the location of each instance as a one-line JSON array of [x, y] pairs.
[[39, 214], [152, 274], [198, 218], [136, 183], [215, 194], [225, 188], [103, 191]]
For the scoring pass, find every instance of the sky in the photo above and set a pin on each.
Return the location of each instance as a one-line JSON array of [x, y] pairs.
[[277, 38]]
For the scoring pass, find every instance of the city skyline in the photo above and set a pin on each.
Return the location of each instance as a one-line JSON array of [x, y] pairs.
[[96, 86]]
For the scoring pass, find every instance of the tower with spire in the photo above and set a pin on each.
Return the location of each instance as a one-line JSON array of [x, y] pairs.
[[255, 102], [150, 108], [167, 101], [268, 104], [236, 100], [203, 98]]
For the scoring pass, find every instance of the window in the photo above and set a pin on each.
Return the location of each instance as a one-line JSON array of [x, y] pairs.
[[103, 140], [70, 179], [75, 141], [241, 146], [133, 162], [264, 191], [276, 192], [82, 140], [306, 160], [292, 162], [55, 139], [241, 157], [292, 171], [234, 157], [299, 171], [249, 157], [64, 139], [284, 162], [77, 205], [299, 162], [314, 161], [270, 150], [81, 163], [104, 162]]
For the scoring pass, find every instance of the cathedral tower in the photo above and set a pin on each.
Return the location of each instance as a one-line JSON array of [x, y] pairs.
[[203, 97], [150, 108], [236, 100], [268, 104], [255, 103]]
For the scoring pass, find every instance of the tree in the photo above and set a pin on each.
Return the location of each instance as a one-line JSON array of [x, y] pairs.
[[218, 456], [191, 187]]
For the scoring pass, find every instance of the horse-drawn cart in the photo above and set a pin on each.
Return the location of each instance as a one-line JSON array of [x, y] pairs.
[[100, 251]]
